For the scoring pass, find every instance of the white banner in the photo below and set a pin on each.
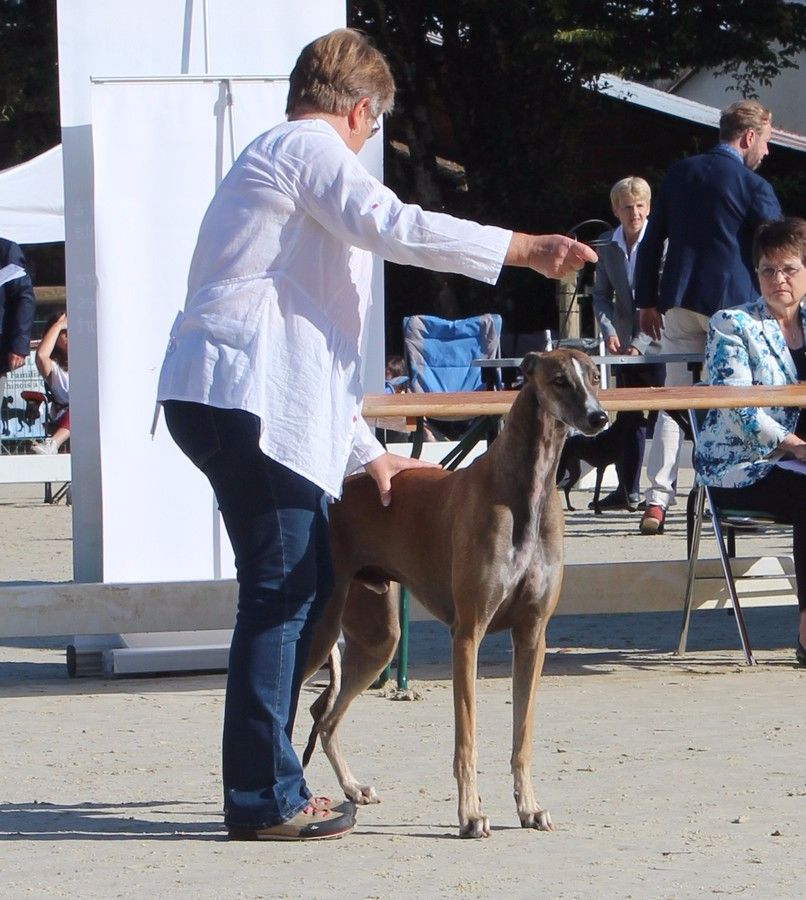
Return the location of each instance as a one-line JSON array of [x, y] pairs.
[[159, 520], [148, 38]]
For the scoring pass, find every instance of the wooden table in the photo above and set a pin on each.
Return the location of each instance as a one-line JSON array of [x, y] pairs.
[[466, 405], [611, 359]]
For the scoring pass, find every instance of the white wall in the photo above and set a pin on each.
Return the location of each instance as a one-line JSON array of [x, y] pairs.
[[784, 96], [151, 37]]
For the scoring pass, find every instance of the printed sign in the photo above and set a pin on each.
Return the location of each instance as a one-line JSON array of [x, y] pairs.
[[23, 404]]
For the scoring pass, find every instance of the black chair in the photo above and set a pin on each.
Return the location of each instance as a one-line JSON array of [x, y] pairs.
[[52, 410], [725, 523]]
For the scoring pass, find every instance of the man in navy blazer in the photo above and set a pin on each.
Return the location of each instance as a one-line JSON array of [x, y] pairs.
[[17, 306], [706, 212]]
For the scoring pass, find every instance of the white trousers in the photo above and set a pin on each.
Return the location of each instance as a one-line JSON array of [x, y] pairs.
[[684, 331]]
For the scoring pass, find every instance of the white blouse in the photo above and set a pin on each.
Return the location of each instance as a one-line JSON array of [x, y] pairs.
[[279, 288]]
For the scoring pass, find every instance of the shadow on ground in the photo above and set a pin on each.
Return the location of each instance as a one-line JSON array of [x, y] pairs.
[[42, 821], [577, 645]]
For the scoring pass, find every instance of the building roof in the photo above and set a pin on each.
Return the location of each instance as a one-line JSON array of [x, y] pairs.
[[681, 107]]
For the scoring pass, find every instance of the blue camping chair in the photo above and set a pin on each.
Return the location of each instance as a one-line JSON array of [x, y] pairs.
[[439, 352], [439, 356]]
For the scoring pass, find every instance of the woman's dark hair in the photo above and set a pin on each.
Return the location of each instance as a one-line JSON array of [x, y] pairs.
[[58, 355], [781, 235]]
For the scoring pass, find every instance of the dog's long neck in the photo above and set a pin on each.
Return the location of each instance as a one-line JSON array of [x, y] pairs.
[[524, 457]]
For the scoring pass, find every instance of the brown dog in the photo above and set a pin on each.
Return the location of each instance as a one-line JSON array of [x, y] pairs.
[[482, 549]]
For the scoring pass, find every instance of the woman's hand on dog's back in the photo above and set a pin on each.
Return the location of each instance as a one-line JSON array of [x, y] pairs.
[[383, 469]]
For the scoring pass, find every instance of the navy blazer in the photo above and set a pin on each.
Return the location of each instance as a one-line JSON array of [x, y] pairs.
[[17, 306], [708, 207]]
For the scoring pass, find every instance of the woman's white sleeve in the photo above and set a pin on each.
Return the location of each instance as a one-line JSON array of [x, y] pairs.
[[345, 199], [366, 447]]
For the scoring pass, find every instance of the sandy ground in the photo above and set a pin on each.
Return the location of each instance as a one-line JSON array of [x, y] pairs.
[[666, 778]]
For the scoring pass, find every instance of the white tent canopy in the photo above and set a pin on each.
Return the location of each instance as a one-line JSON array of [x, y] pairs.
[[32, 200]]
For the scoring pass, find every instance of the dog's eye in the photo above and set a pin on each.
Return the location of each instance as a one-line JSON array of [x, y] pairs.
[[560, 379], [595, 378]]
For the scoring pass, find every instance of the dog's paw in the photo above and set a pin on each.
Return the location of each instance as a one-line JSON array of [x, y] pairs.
[[362, 794], [475, 828], [540, 820]]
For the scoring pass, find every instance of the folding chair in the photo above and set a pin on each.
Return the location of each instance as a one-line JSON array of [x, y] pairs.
[[725, 523], [439, 355], [52, 410]]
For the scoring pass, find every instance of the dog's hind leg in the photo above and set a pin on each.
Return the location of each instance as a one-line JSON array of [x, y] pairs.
[[574, 473], [529, 646], [371, 631]]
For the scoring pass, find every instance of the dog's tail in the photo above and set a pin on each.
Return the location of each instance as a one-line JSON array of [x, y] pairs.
[[324, 702]]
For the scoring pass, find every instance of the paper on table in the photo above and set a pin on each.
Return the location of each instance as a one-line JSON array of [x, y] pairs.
[[795, 465], [10, 272]]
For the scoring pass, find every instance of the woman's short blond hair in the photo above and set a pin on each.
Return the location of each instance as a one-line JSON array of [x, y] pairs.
[[633, 187], [337, 70]]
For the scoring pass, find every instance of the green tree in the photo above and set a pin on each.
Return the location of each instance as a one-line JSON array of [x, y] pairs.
[[503, 88], [29, 83]]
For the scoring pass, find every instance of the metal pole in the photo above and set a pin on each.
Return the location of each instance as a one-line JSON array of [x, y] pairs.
[[206, 39], [403, 643]]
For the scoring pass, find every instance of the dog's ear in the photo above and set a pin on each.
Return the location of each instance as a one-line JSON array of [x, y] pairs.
[[530, 363]]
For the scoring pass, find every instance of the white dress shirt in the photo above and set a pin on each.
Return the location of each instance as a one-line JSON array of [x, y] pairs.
[[279, 288], [631, 254]]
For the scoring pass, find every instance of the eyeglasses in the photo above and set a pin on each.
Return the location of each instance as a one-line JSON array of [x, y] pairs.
[[375, 128], [768, 273]]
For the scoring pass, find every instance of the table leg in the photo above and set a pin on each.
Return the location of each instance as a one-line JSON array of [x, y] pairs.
[[403, 643]]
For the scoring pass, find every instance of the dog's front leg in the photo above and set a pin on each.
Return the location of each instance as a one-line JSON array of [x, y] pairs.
[[472, 822], [529, 646]]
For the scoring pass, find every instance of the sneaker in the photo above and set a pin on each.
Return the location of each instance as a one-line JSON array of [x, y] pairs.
[[319, 820], [653, 519], [46, 448]]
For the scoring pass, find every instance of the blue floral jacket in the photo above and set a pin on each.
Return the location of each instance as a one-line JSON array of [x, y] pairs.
[[745, 346]]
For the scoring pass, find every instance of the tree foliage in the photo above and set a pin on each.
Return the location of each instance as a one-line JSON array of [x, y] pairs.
[[29, 83], [500, 87], [504, 89]]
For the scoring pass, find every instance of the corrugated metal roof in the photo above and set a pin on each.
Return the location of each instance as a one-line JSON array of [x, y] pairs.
[[682, 108]]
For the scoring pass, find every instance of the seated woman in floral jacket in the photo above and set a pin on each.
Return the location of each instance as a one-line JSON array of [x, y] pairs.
[[763, 343]]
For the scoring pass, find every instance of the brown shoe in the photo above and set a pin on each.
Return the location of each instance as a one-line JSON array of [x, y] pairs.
[[320, 820], [653, 520]]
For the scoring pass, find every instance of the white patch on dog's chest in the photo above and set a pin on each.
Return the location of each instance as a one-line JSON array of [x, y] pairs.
[[529, 555]]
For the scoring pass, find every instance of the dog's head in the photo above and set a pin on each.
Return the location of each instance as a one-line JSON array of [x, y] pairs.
[[566, 383]]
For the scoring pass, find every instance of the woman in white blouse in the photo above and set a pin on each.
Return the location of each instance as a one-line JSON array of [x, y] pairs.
[[261, 388]]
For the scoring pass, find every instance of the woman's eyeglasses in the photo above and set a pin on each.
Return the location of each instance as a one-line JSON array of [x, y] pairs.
[[375, 128], [768, 273]]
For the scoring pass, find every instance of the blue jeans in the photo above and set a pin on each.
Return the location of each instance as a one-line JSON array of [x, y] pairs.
[[277, 524]]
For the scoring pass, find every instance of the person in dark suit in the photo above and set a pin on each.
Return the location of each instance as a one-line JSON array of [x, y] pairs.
[[616, 313], [16, 311], [707, 210]]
